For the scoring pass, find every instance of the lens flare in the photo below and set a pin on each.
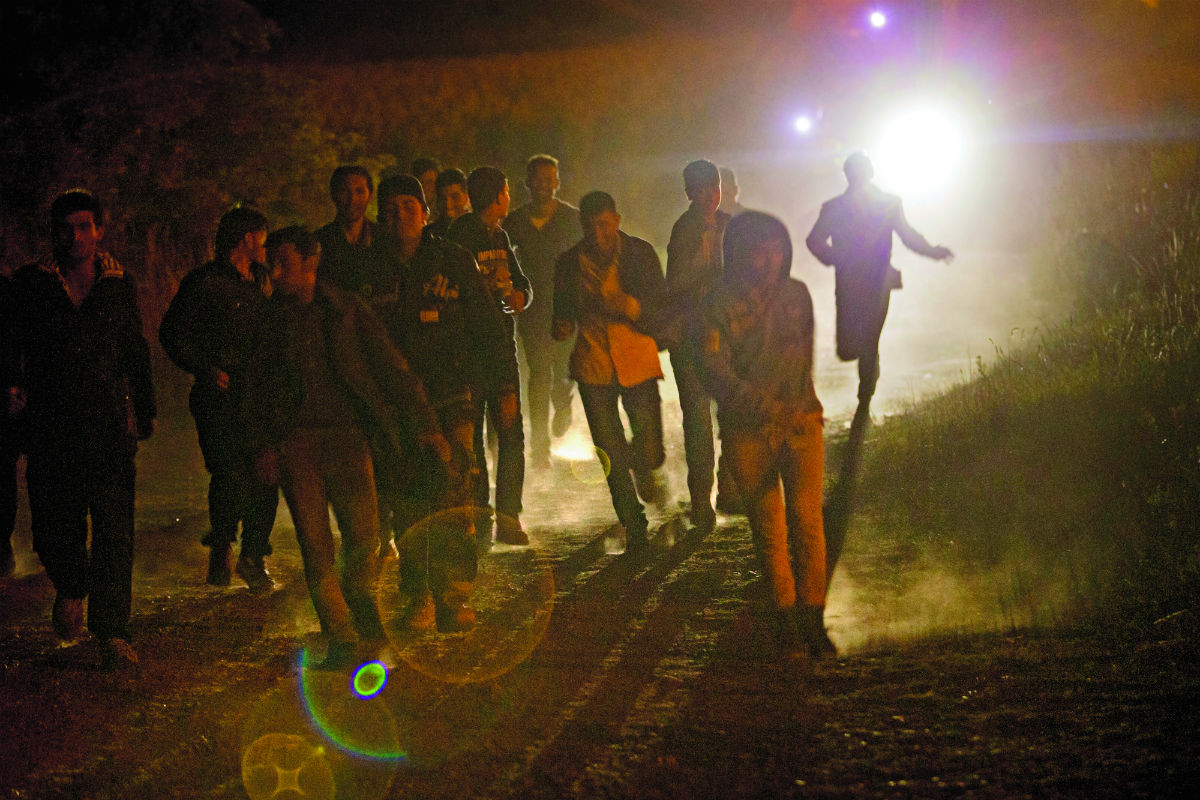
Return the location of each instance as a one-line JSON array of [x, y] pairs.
[[286, 765], [877, 19], [356, 724], [369, 679], [803, 124], [919, 152]]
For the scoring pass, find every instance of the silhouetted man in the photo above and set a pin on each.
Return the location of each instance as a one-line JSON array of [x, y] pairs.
[[346, 259], [541, 231], [480, 233], [608, 293], [853, 234], [211, 330], [86, 376], [729, 193]]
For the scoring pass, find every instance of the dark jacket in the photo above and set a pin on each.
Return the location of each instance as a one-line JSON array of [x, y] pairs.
[[86, 370], [392, 407], [538, 249], [493, 253], [442, 317], [689, 280], [214, 320], [639, 272], [755, 349], [351, 266]]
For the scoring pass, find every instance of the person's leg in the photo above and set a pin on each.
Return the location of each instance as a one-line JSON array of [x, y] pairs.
[[754, 469], [510, 460], [644, 409], [110, 571], [695, 403], [802, 466], [258, 516], [58, 518], [608, 436], [868, 359], [9, 455], [482, 482], [304, 491], [562, 388], [350, 480], [539, 356]]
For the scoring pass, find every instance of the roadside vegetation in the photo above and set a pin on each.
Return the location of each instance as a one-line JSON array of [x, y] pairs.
[[1066, 474]]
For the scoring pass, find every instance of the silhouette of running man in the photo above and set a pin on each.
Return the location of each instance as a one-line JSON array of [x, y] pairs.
[[853, 234]]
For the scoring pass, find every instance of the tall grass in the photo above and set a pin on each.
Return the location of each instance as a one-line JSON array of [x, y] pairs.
[[1070, 468]]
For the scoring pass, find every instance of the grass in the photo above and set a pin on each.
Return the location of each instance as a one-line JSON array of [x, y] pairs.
[[1068, 472]]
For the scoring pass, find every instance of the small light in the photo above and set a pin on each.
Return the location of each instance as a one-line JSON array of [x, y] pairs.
[[878, 19], [369, 679], [803, 124]]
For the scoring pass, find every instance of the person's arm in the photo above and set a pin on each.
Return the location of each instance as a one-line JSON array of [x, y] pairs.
[[181, 336], [714, 360], [818, 240], [522, 288], [915, 241], [137, 351]]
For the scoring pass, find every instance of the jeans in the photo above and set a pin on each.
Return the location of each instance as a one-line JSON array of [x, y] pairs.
[[510, 458], [332, 466], [437, 550], [64, 489], [695, 403], [860, 316], [546, 384], [786, 524], [644, 453]]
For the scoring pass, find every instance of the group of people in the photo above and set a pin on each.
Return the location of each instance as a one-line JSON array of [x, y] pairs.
[[357, 367]]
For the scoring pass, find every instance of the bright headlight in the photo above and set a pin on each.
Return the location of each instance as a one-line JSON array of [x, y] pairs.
[[919, 152]]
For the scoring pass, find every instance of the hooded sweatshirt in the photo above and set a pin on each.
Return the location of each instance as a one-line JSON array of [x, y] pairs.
[[755, 342]]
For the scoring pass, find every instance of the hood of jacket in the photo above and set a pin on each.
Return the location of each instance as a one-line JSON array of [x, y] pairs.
[[745, 232]]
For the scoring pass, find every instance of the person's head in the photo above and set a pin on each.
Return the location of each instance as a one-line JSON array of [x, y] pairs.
[[541, 178], [729, 186], [702, 184], [488, 190], [858, 170], [426, 171], [452, 198], [600, 221], [403, 211], [243, 231], [293, 254], [757, 249], [76, 225], [351, 186]]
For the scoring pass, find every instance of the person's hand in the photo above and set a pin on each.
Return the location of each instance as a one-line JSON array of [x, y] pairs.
[[513, 302], [266, 466], [562, 329], [219, 378], [437, 444], [16, 400], [508, 409], [943, 253]]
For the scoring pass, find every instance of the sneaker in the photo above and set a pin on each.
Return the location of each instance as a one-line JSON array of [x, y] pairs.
[[117, 655], [220, 565], [561, 422], [68, 617], [810, 622], [704, 520], [454, 617], [253, 571], [636, 542], [420, 615], [509, 531], [651, 487]]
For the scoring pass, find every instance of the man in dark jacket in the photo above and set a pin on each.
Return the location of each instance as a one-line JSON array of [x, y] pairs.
[[346, 259], [480, 233], [608, 291], [755, 354], [86, 376], [853, 234], [541, 231], [693, 268], [445, 320], [337, 393], [210, 330], [451, 201]]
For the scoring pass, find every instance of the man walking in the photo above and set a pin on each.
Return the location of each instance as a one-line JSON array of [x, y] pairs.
[[480, 233], [86, 376], [211, 330], [541, 231], [853, 234], [608, 289]]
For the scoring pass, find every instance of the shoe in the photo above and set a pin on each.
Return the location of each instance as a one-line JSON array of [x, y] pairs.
[[561, 422], [220, 565], [636, 542], [117, 655], [509, 531], [730, 504], [810, 622], [651, 487], [253, 571], [454, 617], [704, 520], [67, 617], [420, 615], [540, 462]]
